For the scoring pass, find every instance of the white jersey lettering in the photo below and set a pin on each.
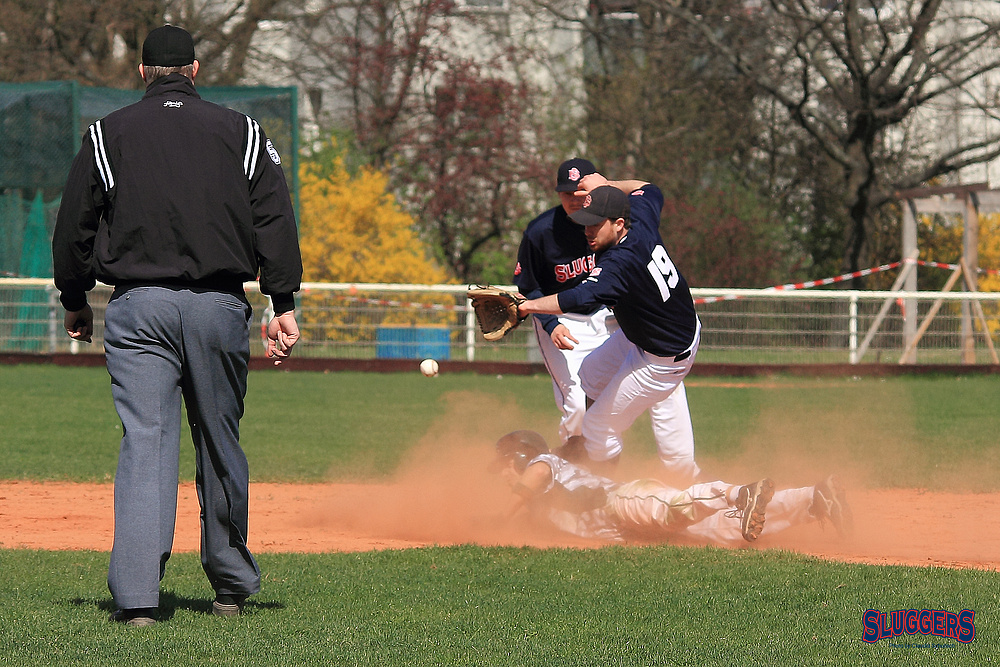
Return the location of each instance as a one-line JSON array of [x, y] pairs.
[[663, 271]]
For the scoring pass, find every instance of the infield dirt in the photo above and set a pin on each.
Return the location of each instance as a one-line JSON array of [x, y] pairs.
[[895, 526], [444, 495]]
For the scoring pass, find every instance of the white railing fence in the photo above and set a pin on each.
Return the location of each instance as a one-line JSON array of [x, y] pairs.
[[744, 326]]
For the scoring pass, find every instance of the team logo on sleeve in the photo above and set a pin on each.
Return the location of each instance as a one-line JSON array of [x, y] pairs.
[[517, 269], [638, 193], [275, 158]]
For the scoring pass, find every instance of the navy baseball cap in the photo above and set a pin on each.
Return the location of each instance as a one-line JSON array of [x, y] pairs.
[[571, 171], [168, 46], [602, 203]]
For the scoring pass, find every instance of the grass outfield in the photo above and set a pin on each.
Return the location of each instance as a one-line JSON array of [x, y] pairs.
[[479, 606], [470, 605], [934, 432]]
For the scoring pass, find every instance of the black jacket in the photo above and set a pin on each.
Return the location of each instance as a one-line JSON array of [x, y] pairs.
[[176, 191]]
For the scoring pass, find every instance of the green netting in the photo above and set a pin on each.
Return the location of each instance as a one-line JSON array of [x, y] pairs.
[[42, 125], [40, 134], [31, 325]]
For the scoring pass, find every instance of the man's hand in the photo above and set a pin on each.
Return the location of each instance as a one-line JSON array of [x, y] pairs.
[[588, 183], [282, 334], [562, 338], [80, 324]]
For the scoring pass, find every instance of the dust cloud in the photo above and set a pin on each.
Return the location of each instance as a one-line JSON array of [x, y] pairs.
[[444, 491], [445, 494]]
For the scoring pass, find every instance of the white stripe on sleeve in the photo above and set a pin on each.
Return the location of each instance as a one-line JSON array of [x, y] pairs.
[[101, 156], [252, 148]]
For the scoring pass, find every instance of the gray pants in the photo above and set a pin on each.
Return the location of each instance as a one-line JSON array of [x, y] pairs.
[[161, 344]]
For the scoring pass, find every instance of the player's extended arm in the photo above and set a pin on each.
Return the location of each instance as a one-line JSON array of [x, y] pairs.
[[546, 304], [628, 187], [591, 181], [529, 485]]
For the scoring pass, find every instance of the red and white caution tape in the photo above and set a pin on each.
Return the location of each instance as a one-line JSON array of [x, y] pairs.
[[704, 300], [837, 279], [807, 284], [952, 267], [846, 276]]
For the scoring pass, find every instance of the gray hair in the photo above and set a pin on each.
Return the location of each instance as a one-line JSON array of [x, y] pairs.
[[154, 72]]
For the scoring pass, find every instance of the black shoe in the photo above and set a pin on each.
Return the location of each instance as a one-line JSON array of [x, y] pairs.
[[228, 605], [134, 618]]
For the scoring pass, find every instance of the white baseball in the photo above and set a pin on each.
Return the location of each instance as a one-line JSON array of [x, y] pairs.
[[429, 367]]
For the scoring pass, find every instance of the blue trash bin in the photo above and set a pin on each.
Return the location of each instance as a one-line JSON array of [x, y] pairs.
[[413, 343]]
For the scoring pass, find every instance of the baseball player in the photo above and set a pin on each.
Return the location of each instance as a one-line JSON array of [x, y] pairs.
[[582, 503], [554, 256], [648, 357]]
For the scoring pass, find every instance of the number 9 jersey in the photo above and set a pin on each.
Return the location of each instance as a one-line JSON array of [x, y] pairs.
[[639, 281]]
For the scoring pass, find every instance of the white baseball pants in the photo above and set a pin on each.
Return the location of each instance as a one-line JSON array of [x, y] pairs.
[[624, 381], [788, 507], [701, 511], [564, 365]]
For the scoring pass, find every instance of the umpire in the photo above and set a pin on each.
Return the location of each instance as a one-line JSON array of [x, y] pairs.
[[177, 202]]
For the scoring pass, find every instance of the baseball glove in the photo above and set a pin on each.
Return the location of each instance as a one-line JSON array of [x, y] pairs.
[[496, 310]]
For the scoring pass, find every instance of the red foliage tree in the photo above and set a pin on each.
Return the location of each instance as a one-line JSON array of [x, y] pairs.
[[470, 168]]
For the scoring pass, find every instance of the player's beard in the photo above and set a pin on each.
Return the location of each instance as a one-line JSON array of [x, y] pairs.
[[603, 240]]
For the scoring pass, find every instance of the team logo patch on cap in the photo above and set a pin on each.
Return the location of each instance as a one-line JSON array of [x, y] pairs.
[[275, 158], [587, 201], [574, 174]]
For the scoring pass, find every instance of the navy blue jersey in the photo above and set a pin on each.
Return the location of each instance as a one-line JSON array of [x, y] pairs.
[[637, 279], [553, 256]]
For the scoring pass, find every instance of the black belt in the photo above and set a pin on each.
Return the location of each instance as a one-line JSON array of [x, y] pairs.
[[228, 285], [665, 359]]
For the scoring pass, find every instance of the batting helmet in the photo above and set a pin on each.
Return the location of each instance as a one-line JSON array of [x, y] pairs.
[[520, 447]]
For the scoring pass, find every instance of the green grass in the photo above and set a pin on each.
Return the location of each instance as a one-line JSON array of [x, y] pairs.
[[60, 423], [921, 431], [471, 605], [497, 606], [935, 432]]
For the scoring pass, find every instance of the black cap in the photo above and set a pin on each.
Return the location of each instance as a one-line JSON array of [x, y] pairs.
[[571, 171], [168, 46], [602, 203]]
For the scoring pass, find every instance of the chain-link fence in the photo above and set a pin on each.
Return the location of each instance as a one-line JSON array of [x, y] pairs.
[[357, 321]]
